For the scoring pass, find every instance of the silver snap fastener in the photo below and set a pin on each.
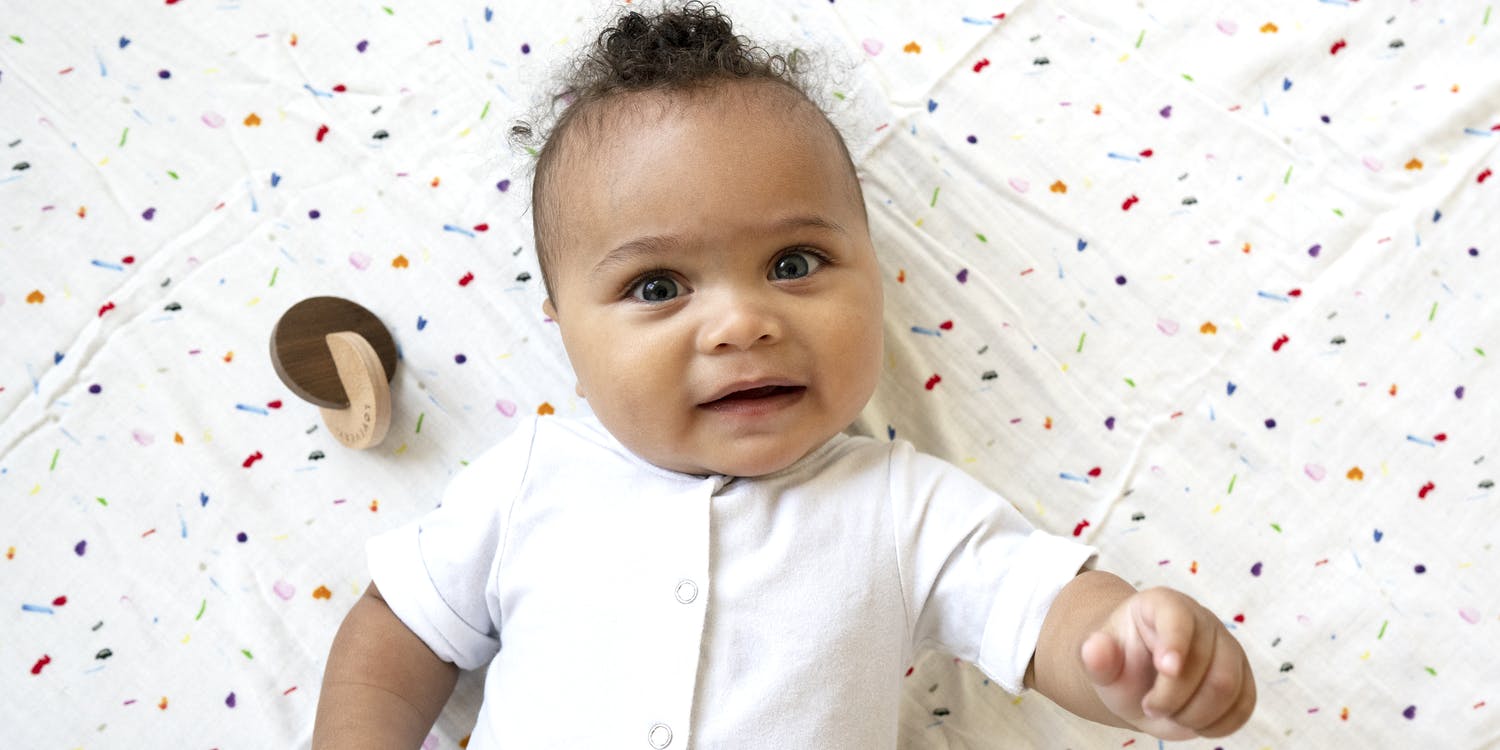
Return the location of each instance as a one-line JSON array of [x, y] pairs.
[[660, 736], [687, 591]]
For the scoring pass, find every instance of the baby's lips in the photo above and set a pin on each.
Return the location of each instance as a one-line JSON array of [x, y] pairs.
[[745, 386]]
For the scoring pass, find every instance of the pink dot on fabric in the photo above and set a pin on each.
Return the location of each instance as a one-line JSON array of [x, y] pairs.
[[508, 408], [1469, 615], [213, 119], [1227, 26], [430, 743], [1168, 327], [284, 590], [1019, 185], [359, 260], [873, 47], [1372, 164], [1315, 471]]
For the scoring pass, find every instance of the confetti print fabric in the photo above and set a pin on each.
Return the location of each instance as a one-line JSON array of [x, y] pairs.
[[1209, 286]]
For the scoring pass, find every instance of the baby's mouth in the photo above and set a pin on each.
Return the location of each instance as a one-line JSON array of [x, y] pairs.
[[755, 394]]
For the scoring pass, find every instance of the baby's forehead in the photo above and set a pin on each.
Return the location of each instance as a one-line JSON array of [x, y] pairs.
[[606, 146]]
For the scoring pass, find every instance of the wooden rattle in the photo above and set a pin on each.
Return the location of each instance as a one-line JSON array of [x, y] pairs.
[[339, 356]]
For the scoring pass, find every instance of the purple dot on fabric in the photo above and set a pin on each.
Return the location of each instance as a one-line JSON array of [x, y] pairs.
[[525, 48], [148, 214], [972, 139], [1270, 424], [459, 358], [81, 547], [1315, 250], [229, 701], [1166, 111], [95, 388], [313, 214], [1410, 712], [242, 537], [1120, 280], [1255, 570], [502, 185], [363, 45], [963, 276], [1109, 424], [1325, 119], [1473, 252], [1420, 569], [164, 74], [1458, 393]]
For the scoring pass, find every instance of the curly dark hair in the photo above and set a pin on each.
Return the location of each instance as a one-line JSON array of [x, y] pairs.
[[675, 51]]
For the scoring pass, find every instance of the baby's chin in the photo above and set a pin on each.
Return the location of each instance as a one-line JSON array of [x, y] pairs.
[[741, 463]]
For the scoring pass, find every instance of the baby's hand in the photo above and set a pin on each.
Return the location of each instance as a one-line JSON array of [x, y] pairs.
[[1165, 664]]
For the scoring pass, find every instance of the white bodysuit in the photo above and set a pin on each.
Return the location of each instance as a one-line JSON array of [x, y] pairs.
[[621, 605]]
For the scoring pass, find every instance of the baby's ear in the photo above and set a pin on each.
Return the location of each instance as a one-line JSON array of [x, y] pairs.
[[548, 310]]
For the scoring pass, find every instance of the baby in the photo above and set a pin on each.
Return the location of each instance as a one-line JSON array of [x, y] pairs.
[[710, 561]]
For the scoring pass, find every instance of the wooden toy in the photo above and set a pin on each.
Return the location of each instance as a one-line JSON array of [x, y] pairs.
[[339, 356]]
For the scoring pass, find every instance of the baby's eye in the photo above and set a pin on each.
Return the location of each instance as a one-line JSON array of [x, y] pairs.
[[795, 265], [655, 289]]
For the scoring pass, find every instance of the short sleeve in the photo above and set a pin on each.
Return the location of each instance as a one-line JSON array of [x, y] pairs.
[[434, 572], [978, 577]]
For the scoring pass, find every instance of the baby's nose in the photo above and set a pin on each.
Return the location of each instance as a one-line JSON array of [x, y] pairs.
[[739, 321]]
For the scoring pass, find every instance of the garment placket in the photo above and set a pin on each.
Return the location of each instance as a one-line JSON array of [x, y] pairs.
[[682, 593]]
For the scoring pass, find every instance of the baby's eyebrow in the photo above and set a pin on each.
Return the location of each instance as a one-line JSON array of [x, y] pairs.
[[632, 250], [659, 244]]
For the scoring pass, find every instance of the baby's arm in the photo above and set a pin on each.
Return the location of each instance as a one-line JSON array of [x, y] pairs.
[[1110, 653], [382, 687]]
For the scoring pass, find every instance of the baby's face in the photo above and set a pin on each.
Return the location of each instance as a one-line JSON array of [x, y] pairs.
[[715, 284]]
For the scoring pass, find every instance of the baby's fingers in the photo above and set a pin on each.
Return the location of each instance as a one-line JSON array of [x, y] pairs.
[[1225, 696], [1181, 650]]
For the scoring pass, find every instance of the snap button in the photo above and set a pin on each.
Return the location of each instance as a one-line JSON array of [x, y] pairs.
[[687, 591], [660, 736]]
